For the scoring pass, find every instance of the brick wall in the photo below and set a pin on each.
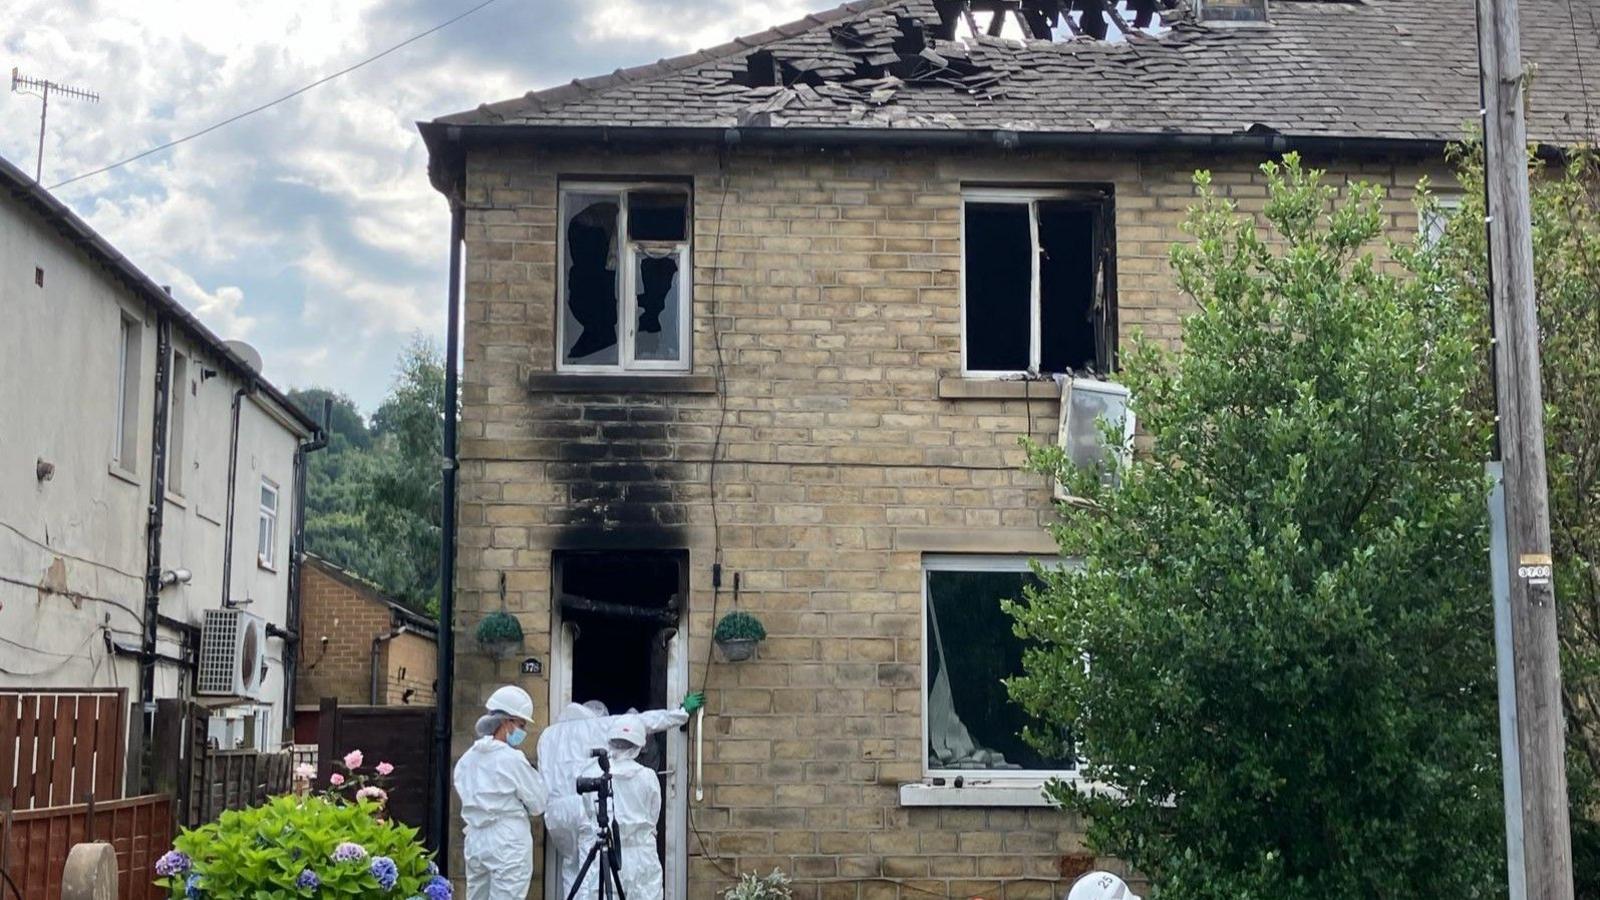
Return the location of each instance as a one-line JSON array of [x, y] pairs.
[[850, 447], [348, 614]]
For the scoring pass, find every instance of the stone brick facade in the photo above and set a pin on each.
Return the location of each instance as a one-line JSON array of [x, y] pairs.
[[340, 617], [827, 369]]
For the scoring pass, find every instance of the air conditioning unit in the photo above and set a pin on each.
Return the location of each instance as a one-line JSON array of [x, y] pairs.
[[233, 659], [1087, 407]]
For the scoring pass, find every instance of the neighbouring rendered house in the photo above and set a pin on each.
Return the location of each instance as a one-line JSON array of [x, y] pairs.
[[149, 496], [759, 328]]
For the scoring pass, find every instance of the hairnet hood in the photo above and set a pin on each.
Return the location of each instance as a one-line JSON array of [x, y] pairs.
[[513, 700], [626, 732]]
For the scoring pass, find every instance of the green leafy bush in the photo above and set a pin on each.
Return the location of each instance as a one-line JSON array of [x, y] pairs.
[[333, 844], [740, 626], [1285, 603]]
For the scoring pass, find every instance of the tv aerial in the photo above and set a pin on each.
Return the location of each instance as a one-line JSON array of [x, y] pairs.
[[43, 88]]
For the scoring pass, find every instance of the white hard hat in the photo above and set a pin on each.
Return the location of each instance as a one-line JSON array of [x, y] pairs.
[[626, 733], [513, 700], [1101, 886]]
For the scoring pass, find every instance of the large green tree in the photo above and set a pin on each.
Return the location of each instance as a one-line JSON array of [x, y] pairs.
[[1566, 238], [372, 496], [1276, 656]]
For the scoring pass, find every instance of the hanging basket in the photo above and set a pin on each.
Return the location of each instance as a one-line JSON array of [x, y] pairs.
[[499, 635], [738, 649], [738, 634]]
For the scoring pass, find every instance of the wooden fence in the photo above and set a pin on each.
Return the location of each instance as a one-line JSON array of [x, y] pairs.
[[35, 843], [206, 782], [58, 746], [399, 735]]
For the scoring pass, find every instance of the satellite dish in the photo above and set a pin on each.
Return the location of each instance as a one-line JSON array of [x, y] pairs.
[[250, 355]]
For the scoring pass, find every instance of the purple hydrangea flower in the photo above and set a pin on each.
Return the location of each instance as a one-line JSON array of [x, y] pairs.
[[308, 880], [433, 869], [172, 863], [384, 869], [349, 852], [191, 887], [438, 888]]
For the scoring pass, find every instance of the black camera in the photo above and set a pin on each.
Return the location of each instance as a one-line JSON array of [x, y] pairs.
[[602, 782]]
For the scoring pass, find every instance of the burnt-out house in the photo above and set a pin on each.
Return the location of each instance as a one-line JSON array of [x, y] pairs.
[[759, 328]]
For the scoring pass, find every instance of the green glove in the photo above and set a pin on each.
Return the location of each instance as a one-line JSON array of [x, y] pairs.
[[693, 701]]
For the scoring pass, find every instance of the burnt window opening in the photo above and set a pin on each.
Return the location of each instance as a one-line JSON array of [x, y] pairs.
[[620, 609], [625, 279], [1039, 282], [38, 276]]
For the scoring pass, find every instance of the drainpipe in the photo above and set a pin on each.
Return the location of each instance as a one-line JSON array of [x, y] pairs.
[[153, 522], [447, 555], [297, 541], [233, 479]]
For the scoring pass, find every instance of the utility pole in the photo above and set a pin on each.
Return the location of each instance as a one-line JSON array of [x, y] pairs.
[[42, 88], [1535, 666]]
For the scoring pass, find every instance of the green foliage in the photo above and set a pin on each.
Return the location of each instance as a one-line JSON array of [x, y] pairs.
[[775, 886], [263, 852], [1285, 602], [372, 496], [740, 626], [499, 627], [1566, 243]]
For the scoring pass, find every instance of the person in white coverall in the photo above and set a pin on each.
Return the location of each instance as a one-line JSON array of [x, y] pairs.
[[500, 791], [564, 756]]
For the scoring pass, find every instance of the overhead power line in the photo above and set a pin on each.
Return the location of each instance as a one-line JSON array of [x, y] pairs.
[[289, 96]]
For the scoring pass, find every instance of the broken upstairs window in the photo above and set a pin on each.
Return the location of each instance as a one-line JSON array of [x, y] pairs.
[[1039, 282], [625, 278]]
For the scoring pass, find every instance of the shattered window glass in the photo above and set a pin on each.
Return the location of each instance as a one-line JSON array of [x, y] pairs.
[[971, 649], [657, 275], [590, 308], [625, 302]]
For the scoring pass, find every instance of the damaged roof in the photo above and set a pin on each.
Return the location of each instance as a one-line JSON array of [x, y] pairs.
[[1392, 70]]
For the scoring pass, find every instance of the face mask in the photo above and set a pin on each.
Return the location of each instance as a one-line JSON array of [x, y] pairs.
[[516, 737]]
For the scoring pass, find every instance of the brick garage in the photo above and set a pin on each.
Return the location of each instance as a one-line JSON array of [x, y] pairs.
[[359, 647], [825, 446]]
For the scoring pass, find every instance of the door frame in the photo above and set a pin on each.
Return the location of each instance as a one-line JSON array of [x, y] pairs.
[[675, 799]]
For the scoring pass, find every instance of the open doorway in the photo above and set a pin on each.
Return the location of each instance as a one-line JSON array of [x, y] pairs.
[[616, 616]]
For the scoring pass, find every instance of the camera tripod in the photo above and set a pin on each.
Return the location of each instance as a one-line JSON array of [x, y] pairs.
[[607, 843]]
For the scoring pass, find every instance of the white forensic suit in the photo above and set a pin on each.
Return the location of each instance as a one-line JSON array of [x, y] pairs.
[[500, 791], [564, 756], [635, 807]]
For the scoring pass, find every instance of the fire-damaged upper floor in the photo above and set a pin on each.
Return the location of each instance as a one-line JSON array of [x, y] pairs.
[[1399, 70]]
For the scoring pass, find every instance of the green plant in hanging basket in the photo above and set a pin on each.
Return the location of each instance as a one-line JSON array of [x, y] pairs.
[[737, 634], [499, 634]]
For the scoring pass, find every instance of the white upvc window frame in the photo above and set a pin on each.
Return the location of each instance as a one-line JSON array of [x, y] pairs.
[[1448, 206], [267, 517], [177, 427], [627, 285], [125, 428], [1029, 197], [1011, 779]]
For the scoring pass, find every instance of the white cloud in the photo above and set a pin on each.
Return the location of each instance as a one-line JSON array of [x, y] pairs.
[[687, 29]]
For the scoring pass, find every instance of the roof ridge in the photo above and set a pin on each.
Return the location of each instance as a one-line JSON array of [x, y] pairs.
[[580, 88]]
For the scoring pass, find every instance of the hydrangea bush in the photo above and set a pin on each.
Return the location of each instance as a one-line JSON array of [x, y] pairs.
[[334, 844]]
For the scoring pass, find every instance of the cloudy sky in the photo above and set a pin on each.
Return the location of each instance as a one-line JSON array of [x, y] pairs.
[[310, 229]]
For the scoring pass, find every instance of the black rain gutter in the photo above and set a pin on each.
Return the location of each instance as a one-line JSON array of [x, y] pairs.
[[444, 712], [154, 518], [297, 545]]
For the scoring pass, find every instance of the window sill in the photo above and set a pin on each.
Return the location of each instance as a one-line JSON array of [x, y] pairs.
[[121, 474], [1020, 794], [632, 383], [267, 566], [997, 389], [177, 500]]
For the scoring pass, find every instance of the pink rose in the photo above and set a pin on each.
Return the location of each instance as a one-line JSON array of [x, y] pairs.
[[353, 759], [385, 769], [305, 772], [376, 794], [336, 779]]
